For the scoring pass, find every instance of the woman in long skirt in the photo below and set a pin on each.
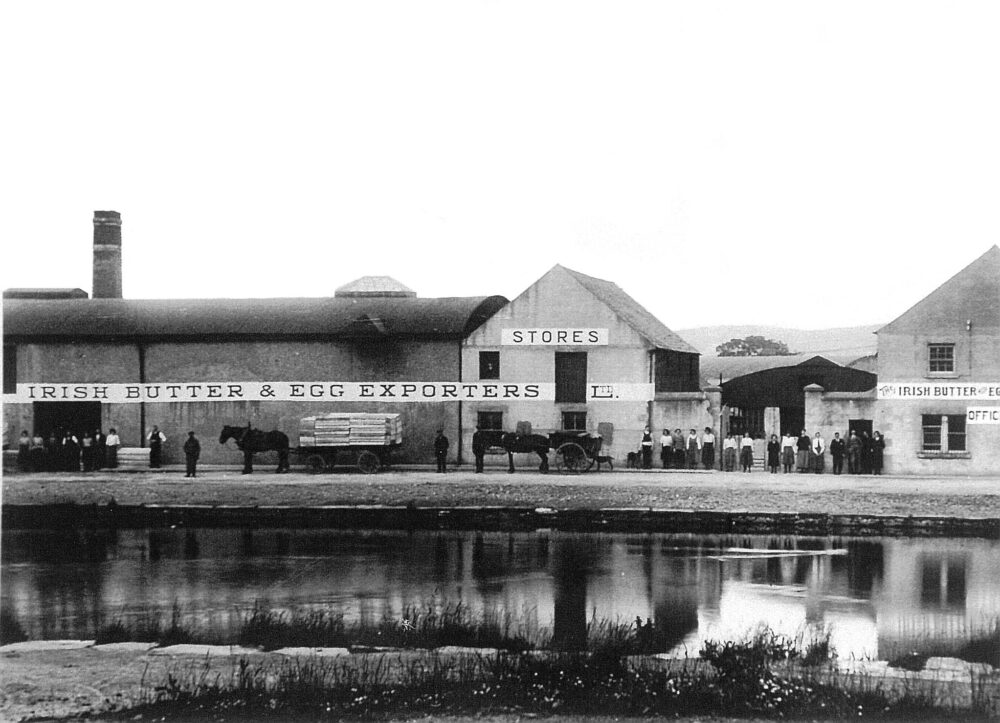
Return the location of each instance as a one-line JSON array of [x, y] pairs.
[[746, 453]]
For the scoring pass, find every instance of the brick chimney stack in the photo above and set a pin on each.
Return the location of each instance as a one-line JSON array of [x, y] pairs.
[[107, 255]]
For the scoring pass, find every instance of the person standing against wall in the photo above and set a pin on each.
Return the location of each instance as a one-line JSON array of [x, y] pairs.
[[100, 445], [156, 439], [38, 461], [746, 452], [479, 449], [803, 450], [441, 451], [24, 451], [878, 453], [111, 444], [837, 448], [693, 447], [788, 442], [773, 454], [666, 449], [866, 453], [70, 452], [854, 445], [87, 451], [646, 447], [192, 450], [679, 454], [708, 448], [818, 450], [729, 452]]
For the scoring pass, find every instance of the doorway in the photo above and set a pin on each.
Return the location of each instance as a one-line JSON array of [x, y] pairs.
[[60, 416], [859, 426]]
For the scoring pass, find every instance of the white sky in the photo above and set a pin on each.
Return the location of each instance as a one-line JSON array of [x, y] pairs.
[[793, 163]]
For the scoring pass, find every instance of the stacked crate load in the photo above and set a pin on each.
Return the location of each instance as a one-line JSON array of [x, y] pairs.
[[350, 429]]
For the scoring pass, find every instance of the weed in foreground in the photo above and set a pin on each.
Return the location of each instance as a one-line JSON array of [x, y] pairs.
[[741, 681]]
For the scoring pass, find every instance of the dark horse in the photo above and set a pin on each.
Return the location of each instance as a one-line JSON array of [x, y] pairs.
[[253, 440], [519, 443]]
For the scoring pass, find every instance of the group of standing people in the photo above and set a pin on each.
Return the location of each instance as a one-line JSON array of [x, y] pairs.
[[808, 454], [678, 451], [65, 451], [864, 453]]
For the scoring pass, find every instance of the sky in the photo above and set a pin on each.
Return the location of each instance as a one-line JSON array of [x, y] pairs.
[[801, 164]]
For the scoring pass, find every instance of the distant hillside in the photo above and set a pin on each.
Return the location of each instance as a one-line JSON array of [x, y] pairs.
[[852, 341]]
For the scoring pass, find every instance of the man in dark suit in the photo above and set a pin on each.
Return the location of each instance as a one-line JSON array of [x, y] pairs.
[[192, 450], [478, 448], [441, 451]]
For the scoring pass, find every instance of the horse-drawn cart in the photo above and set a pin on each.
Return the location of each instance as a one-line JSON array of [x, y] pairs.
[[367, 438], [575, 451]]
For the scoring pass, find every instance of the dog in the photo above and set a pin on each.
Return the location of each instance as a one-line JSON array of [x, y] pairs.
[[632, 461], [604, 459]]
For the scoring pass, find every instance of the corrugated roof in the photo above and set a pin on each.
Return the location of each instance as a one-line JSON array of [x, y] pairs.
[[632, 313], [971, 294], [295, 317]]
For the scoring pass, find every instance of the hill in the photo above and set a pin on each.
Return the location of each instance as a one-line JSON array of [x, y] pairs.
[[849, 341]]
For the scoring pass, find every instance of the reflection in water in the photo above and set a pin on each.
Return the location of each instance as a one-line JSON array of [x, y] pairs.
[[878, 596]]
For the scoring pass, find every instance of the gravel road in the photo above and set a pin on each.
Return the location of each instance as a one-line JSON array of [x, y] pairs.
[[972, 497]]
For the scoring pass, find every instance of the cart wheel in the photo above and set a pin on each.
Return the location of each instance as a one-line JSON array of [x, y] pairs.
[[368, 462], [574, 459], [315, 464]]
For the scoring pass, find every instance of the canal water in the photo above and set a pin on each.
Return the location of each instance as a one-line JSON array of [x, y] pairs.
[[879, 597]]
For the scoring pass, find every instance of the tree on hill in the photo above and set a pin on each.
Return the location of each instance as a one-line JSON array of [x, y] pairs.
[[753, 346]]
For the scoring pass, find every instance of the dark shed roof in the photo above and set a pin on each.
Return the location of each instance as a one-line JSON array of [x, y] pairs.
[[782, 386], [453, 317]]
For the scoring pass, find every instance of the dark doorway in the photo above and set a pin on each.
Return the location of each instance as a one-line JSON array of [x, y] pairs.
[[571, 376], [859, 426], [73, 416], [793, 420]]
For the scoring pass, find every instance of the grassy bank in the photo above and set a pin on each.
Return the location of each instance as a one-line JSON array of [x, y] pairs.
[[749, 678]]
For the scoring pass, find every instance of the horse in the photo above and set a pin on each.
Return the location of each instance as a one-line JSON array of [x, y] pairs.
[[512, 443], [253, 440]]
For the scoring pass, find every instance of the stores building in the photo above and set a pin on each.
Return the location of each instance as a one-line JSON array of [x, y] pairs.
[[597, 361]]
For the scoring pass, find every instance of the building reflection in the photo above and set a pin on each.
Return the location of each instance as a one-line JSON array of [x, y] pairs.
[[877, 596]]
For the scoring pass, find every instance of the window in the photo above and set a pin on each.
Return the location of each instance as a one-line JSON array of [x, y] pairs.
[[492, 421], [932, 432], [675, 371], [941, 358], [956, 433], [9, 369], [943, 433], [574, 421], [571, 377], [489, 365]]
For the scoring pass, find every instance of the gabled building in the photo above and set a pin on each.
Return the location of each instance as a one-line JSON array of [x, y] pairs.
[[595, 360], [939, 377]]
